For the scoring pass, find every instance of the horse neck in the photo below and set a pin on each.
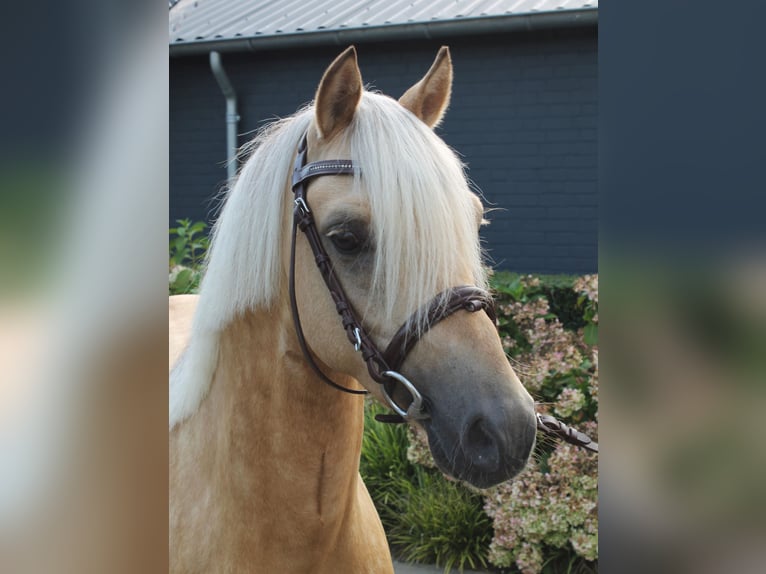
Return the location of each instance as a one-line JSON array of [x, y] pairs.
[[290, 439]]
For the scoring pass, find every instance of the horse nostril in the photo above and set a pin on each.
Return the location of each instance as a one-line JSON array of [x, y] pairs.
[[477, 435], [481, 447]]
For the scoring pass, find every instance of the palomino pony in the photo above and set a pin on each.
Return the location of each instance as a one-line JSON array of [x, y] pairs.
[[264, 456]]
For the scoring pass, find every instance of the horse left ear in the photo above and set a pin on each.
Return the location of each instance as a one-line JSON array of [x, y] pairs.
[[338, 94], [429, 98]]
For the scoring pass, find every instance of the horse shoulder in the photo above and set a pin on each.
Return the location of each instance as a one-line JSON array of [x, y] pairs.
[[180, 315]]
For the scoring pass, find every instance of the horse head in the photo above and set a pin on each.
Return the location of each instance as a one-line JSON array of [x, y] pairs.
[[399, 233]]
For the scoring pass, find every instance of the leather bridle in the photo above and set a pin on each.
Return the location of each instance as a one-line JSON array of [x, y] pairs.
[[383, 366]]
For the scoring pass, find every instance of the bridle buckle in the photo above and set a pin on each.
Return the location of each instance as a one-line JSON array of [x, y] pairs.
[[301, 206]]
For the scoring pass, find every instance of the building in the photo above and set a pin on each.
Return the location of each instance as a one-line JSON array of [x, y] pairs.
[[523, 112]]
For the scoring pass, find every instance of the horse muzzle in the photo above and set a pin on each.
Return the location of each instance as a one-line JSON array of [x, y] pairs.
[[487, 446]]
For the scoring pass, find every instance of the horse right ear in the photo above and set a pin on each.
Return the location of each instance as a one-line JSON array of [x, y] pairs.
[[429, 98], [338, 95]]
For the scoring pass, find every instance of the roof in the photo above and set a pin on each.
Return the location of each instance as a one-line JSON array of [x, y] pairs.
[[250, 23]]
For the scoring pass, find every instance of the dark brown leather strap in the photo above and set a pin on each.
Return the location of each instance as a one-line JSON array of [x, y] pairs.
[[465, 297], [356, 334], [304, 220], [555, 427], [299, 328]]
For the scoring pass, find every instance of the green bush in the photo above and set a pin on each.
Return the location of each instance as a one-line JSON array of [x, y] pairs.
[[441, 522], [384, 465], [557, 289], [188, 247]]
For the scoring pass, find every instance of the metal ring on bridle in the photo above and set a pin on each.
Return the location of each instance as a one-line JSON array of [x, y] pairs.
[[415, 409]]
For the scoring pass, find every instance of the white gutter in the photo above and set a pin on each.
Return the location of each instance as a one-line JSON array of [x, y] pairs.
[[232, 117], [424, 30]]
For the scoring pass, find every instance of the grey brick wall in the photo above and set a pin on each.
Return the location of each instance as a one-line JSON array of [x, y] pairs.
[[523, 116]]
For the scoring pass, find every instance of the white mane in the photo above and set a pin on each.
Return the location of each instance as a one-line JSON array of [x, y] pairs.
[[423, 219]]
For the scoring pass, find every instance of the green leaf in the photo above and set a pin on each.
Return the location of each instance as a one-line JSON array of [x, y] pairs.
[[590, 334], [197, 227], [183, 281]]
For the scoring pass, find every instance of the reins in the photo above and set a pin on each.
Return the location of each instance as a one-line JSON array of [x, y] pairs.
[[383, 366], [552, 426]]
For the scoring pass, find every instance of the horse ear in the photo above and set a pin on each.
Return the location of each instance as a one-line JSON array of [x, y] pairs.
[[338, 94], [429, 98]]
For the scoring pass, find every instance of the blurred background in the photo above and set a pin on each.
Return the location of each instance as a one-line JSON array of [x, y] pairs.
[[683, 299], [83, 283]]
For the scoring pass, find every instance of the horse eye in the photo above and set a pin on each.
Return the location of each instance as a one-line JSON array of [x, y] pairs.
[[346, 242]]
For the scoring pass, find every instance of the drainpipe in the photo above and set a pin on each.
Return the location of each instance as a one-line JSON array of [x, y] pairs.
[[232, 118]]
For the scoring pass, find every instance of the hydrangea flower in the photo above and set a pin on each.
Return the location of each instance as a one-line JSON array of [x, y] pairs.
[[569, 402], [556, 508]]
